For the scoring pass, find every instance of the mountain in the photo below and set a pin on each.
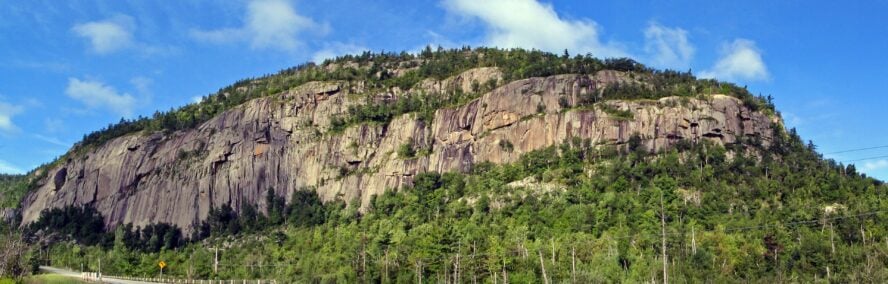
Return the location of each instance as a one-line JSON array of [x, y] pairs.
[[413, 162], [288, 140]]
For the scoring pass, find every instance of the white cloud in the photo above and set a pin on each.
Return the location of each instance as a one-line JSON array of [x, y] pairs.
[[142, 86], [741, 60], [7, 112], [51, 140], [46, 66], [336, 49], [96, 94], [217, 36], [875, 165], [8, 168], [53, 125], [267, 24], [530, 24], [274, 23], [109, 35], [668, 47], [793, 120]]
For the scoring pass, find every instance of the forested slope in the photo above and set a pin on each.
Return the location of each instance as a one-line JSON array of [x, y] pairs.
[[725, 198]]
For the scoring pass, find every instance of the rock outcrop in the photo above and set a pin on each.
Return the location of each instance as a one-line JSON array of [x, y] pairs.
[[8, 215], [281, 143]]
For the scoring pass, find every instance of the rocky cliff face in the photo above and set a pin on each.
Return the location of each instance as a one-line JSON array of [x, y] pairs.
[[280, 142]]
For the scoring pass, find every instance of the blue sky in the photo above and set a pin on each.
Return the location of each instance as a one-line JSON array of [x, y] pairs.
[[71, 67]]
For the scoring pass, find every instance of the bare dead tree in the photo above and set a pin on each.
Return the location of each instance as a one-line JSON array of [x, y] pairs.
[[12, 249], [543, 267]]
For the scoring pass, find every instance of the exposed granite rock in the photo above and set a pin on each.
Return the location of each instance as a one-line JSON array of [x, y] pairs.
[[277, 142], [8, 215]]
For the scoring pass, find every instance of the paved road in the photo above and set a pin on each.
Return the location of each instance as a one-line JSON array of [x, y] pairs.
[[73, 274]]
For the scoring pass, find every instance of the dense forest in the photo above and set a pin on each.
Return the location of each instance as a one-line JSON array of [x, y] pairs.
[[753, 211], [569, 213], [12, 189]]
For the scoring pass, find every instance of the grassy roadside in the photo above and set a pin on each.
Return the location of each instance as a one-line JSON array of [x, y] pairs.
[[44, 279]]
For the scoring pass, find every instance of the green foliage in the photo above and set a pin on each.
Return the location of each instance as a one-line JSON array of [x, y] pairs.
[[85, 225], [222, 220], [616, 113], [608, 222], [376, 70], [306, 209], [277, 208], [406, 151], [741, 213], [81, 223], [382, 112], [51, 279], [12, 189], [506, 145], [151, 238]]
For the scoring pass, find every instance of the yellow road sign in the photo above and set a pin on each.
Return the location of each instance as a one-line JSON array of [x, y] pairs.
[[162, 264]]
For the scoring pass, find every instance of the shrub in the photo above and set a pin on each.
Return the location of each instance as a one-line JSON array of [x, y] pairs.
[[506, 145], [406, 151]]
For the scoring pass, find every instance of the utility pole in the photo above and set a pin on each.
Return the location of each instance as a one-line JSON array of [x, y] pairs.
[[100, 270], [216, 261], [663, 239]]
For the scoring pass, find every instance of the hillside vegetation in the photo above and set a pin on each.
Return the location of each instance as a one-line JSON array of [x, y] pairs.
[[577, 212], [381, 71], [12, 189]]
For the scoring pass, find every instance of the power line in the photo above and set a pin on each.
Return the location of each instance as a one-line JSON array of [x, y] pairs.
[[864, 159], [857, 150]]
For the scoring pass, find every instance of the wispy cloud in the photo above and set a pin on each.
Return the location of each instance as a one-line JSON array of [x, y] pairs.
[[9, 168], [47, 66], [142, 86], [53, 125], [875, 165], [336, 49], [668, 47], [51, 140], [271, 24], [109, 35], [792, 120], [116, 34], [95, 94], [7, 112], [531, 24], [741, 60]]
